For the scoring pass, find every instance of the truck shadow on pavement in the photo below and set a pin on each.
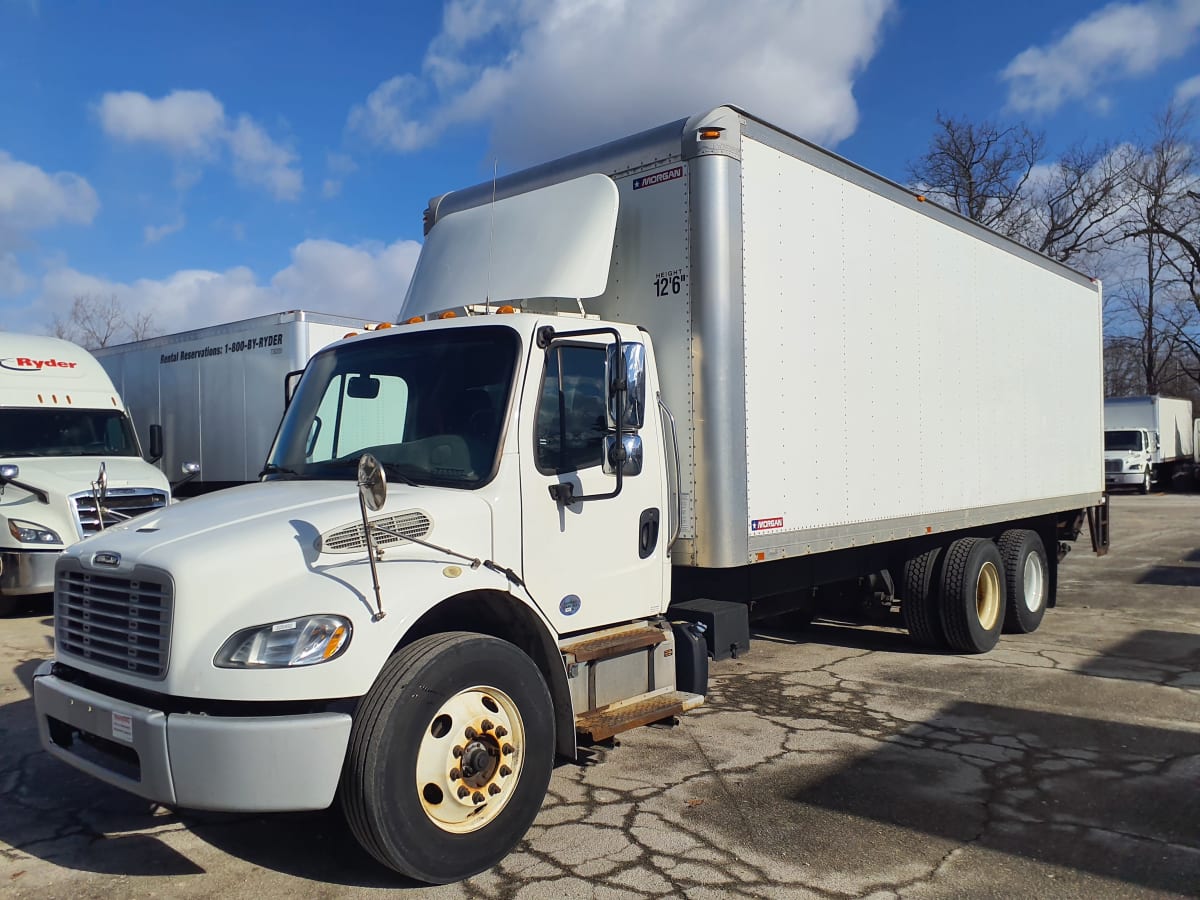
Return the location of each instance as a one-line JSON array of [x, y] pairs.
[[1172, 576]]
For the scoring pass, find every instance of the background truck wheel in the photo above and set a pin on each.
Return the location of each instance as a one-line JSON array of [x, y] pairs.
[[449, 757], [8, 605], [1026, 577], [919, 599], [972, 595], [1144, 487]]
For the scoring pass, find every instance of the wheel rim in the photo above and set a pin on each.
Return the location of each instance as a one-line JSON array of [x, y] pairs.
[[470, 759], [1035, 582], [987, 596]]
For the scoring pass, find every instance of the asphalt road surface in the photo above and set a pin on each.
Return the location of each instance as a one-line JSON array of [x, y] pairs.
[[836, 762]]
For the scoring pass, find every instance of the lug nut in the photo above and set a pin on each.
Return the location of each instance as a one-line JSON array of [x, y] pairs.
[[457, 752], [505, 771], [471, 733], [501, 731], [486, 724], [507, 749], [463, 792], [455, 774], [493, 789], [477, 798]]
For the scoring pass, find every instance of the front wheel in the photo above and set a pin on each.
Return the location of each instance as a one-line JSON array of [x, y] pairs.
[[450, 756], [1144, 487]]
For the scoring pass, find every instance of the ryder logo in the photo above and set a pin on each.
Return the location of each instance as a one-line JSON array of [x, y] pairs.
[[771, 524], [28, 364]]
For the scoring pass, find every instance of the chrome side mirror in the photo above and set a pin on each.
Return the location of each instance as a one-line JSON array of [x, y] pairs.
[[624, 452], [629, 372], [9, 471], [372, 484], [190, 468]]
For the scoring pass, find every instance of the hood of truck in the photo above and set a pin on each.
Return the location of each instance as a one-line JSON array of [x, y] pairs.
[[61, 477], [252, 555]]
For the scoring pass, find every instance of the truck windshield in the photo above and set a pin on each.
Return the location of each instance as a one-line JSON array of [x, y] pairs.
[[1123, 440], [66, 432], [428, 404]]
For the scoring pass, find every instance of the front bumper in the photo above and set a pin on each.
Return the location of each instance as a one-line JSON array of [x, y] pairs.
[[230, 764], [27, 571], [1126, 479]]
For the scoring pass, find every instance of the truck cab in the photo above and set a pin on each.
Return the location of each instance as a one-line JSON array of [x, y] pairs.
[[70, 462], [1129, 458]]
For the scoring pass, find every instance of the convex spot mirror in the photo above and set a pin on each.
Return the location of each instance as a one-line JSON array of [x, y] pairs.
[[624, 450], [372, 485], [9, 472], [632, 368]]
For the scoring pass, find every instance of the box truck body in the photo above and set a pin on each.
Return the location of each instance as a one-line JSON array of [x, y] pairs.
[[218, 392], [61, 424], [1148, 439], [701, 373]]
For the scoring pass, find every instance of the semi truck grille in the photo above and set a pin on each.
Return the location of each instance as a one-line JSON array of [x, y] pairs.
[[349, 538], [1113, 465], [119, 504], [121, 623]]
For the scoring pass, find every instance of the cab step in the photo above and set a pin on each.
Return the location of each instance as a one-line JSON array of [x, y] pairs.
[[615, 643], [601, 724]]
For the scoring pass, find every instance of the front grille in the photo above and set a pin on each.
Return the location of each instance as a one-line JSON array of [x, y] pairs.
[[117, 622], [119, 504], [1113, 465], [349, 538]]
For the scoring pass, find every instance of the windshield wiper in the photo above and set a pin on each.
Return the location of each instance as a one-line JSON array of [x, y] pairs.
[[393, 470], [272, 469]]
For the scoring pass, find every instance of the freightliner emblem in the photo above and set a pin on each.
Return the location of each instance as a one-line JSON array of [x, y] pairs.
[[105, 558]]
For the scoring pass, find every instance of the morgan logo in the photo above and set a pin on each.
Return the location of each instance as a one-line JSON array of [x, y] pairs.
[[106, 558], [28, 364], [657, 178], [771, 524]]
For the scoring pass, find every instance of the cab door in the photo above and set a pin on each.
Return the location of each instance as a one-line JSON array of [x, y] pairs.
[[594, 562]]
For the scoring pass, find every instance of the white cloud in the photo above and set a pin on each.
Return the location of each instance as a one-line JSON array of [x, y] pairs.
[[1188, 90], [152, 234], [552, 76], [259, 160], [1122, 40], [12, 279], [368, 280], [31, 198], [192, 126], [190, 122]]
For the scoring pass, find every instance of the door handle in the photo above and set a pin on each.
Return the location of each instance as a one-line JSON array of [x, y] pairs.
[[647, 532]]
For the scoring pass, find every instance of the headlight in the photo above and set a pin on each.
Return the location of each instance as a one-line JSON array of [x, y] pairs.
[[32, 533], [1135, 467], [279, 645]]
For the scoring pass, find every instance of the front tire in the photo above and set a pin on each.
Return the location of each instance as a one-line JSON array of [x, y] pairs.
[[1144, 487], [449, 758], [972, 595], [1027, 580]]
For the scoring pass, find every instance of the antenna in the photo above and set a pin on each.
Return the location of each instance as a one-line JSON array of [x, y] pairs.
[[487, 300]]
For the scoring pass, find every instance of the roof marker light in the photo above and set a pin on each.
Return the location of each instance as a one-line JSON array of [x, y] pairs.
[[349, 334], [505, 310], [449, 314], [414, 320]]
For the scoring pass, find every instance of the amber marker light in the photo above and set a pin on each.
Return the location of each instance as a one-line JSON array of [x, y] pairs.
[[382, 325], [710, 134], [449, 314], [414, 320], [505, 311], [349, 334], [335, 641], [920, 198]]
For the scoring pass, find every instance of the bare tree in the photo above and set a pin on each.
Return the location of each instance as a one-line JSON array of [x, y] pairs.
[[981, 171], [96, 321]]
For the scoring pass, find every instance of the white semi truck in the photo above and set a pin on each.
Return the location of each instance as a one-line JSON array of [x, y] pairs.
[[218, 392], [70, 463], [705, 371], [1147, 440]]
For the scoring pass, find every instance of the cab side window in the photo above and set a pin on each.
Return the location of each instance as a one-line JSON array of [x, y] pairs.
[[571, 424]]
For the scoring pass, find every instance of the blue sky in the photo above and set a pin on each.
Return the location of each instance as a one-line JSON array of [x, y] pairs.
[[210, 161]]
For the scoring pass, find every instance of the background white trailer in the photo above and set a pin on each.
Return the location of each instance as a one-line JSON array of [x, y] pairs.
[[218, 392], [1170, 417]]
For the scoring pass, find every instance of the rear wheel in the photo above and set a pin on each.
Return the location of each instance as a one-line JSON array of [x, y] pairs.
[[8, 605], [919, 599], [449, 757], [1027, 581], [972, 595]]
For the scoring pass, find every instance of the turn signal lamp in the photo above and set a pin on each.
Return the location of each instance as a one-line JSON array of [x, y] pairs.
[[335, 642]]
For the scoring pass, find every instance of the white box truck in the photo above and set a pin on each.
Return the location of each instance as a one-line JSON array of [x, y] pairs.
[[705, 370], [218, 392], [1147, 440], [70, 463]]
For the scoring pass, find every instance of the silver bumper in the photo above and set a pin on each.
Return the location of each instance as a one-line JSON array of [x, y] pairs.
[[1123, 478], [27, 571], [231, 764]]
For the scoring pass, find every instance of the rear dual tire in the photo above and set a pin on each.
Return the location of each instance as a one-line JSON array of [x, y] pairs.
[[973, 595], [1027, 580]]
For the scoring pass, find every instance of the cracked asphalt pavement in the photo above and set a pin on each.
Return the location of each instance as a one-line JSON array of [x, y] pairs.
[[835, 762]]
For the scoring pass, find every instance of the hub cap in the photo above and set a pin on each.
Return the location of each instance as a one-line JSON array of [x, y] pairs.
[[1035, 582], [987, 596], [470, 759]]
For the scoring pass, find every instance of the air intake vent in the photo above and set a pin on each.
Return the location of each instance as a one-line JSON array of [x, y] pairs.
[[350, 538]]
